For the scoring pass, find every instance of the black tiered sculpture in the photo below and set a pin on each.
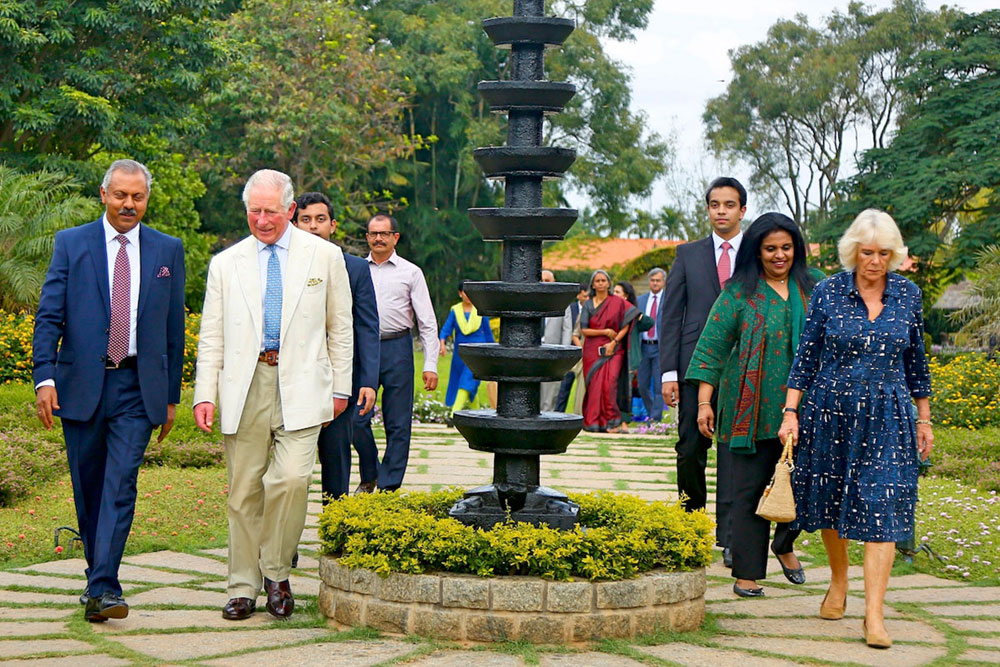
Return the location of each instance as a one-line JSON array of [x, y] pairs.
[[516, 432]]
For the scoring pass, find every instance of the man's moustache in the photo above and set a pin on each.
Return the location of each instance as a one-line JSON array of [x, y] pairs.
[[127, 211]]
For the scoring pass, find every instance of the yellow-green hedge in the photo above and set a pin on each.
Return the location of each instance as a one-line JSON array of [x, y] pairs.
[[966, 391], [16, 330], [620, 537]]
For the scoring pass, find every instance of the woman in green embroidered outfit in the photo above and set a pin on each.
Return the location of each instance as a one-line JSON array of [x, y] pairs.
[[746, 350]]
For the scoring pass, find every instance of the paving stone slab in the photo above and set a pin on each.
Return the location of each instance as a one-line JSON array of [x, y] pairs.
[[333, 654], [19, 647], [990, 642], [301, 585], [592, 659], [187, 646], [180, 597], [702, 656], [725, 592], [170, 619], [900, 655], [923, 581], [932, 595], [975, 626], [42, 581], [913, 631], [74, 567], [466, 659], [180, 561], [69, 661], [820, 574], [310, 536], [33, 613], [799, 605], [991, 610], [30, 628], [35, 598], [978, 655]]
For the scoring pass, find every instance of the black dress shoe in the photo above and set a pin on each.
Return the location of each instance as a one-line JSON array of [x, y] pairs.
[[295, 559], [748, 592], [280, 602], [365, 487], [238, 609], [796, 575], [107, 606], [727, 557], [85, 595]]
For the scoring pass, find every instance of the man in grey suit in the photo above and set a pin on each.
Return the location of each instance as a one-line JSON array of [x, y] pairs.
[[693, 284], [556, 331]]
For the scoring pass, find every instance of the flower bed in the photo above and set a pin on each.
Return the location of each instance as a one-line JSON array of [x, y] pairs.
[[619, 537]]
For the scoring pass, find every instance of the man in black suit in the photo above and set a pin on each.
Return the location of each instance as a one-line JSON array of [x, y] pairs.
[[693, 284], [314, 214]]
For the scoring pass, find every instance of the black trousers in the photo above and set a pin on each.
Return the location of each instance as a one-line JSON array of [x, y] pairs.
[[692, 450], [749, 532]]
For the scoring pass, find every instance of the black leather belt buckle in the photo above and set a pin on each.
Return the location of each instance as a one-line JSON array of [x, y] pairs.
[[269, 356], [127, 362]]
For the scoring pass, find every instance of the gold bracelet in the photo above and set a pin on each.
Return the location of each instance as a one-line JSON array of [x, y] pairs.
[[701, 403], [925, 421]]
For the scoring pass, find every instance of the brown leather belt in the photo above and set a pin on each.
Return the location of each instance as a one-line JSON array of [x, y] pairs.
[[127, 362], [394, 335], [269, 356]]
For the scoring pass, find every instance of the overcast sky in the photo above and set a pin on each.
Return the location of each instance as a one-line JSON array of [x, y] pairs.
[[681, 60]]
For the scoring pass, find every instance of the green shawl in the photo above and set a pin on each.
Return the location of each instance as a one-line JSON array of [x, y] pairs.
[[751, 362]]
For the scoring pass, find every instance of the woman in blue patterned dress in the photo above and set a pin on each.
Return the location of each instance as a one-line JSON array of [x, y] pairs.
[[860, 361]]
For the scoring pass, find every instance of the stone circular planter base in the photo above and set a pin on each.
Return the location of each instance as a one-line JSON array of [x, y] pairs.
[[476, 609]]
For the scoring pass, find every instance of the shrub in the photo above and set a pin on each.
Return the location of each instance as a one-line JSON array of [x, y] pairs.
[[646, 262], [16, 330], [619, 538], [972, 457], [184, 453], [26, 460], [966, 391]]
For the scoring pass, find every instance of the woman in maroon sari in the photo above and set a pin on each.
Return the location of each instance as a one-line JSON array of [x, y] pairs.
[[604, 321]]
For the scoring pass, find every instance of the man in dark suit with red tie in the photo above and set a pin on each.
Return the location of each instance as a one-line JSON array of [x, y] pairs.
[[693, 284], [108, 351]]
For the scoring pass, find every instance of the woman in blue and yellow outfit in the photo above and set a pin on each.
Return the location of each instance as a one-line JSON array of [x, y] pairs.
[[468, 327]]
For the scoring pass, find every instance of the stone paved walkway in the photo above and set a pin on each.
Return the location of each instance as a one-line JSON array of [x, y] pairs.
[[176, 600]]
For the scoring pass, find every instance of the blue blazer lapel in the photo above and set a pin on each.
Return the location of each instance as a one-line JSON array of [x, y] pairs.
[[99, 255], [149, 259]]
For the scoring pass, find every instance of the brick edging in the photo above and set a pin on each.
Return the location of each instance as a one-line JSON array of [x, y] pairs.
[[478, 609]]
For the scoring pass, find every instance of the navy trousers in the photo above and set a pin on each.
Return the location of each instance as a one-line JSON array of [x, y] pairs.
[[395, 377], [649, 374], [335, 454], [104, 455]]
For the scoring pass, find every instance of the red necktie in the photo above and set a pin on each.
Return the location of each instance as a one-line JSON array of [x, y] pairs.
[[652, 312], [724, 266], [121, 287]]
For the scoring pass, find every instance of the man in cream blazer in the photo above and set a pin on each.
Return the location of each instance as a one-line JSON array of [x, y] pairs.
[[276, 350]]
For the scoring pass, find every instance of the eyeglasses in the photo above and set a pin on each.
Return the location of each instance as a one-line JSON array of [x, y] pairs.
[[382, 235]]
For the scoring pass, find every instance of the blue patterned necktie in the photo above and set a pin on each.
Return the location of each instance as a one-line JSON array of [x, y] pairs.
[[272, 301]]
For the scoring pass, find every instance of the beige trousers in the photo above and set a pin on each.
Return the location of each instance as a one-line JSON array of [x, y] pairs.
[[270, 470]]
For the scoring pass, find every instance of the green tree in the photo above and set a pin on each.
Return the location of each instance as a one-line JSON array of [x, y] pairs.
[[943, 165], [797, 98], [33, 207], [82, 76], [311, 93], [981, 316]]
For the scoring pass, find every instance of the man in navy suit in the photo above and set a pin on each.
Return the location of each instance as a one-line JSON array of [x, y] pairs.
[[649, 362], [314, 214], [108, 351], [693, 284]]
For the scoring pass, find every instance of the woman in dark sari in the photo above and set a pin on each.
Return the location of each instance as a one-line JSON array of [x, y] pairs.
[[605, 320]]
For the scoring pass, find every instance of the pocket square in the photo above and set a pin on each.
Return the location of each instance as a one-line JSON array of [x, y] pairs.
[[313, 281], [164, 272]]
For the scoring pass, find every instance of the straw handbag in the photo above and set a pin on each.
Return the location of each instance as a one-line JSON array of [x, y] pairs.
[[778, 504]]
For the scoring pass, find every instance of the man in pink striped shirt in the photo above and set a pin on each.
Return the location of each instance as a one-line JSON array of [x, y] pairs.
[[403, 301]]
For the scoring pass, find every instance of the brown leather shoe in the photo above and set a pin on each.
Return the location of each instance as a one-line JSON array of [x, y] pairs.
[[280, 602], [238, 609]]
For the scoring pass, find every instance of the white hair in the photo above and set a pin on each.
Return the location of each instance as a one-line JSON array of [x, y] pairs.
[[655, 270], [127, 167], [271, 178], [872, 226]]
